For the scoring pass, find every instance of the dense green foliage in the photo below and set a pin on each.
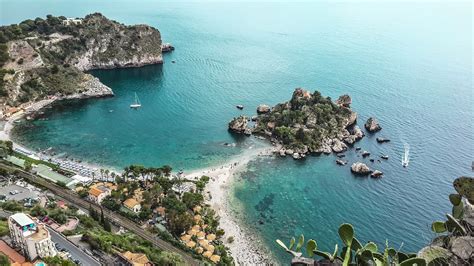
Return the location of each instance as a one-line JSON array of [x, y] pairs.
[[4, 261], [4, 228], [11, 206], [58, 261], [306, 120], [6, 148]]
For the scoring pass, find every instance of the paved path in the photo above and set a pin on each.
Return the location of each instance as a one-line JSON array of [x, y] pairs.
[[118, 219]]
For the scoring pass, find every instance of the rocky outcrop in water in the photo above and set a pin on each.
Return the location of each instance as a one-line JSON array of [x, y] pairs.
[[239, 125], [344, 100], [263, 109], [372, 125], [360, 169], [309, 123]]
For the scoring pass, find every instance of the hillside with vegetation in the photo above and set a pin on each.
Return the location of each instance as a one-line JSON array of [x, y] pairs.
[[47, 57]]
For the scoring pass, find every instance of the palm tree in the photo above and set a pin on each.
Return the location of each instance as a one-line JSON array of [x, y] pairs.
[[106, 172]]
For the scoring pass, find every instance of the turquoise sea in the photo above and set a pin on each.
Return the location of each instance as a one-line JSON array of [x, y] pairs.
[[408, 64]]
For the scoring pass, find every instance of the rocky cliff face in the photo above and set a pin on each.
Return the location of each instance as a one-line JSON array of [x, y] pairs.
[[108, 44], [47, 57]]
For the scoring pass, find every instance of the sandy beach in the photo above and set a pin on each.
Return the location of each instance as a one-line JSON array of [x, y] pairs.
[[247, 249]]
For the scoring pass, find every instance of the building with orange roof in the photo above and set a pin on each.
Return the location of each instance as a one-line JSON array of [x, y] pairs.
[[98, 192], [133, 205], [14, 257], [134, 259]]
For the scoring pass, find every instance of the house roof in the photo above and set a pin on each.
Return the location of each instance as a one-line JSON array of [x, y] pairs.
[[137, 259], [22, 219], [94, 191], [11, 253], [130, 203]]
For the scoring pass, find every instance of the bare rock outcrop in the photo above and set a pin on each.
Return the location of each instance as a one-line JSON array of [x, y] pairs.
[[263, 109], [344, 100], [360, 169], [239, 125], [372, 125]]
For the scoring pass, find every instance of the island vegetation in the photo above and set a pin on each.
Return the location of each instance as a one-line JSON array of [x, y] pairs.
[[308, 123]]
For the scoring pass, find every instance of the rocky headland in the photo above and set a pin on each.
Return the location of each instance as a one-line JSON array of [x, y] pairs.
[[46, 58]]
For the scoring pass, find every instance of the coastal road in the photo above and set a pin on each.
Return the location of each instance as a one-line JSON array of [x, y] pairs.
[[115, 218], [76, 252]]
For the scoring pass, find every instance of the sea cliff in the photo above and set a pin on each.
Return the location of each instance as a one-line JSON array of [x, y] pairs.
[[45, 58]]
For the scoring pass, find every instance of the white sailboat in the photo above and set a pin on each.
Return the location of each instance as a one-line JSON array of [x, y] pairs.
[[405, 157], [137, 103]]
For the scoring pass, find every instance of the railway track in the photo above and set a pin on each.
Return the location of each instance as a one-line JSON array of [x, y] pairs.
[[113, 217]]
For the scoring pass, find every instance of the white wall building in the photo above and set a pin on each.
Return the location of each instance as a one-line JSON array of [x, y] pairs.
[[32, 238]]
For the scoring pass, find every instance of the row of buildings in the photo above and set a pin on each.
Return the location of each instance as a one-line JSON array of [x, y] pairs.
[[99, 191]]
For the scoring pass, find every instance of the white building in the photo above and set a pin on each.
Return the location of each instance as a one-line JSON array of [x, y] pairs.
[[72, 21], [32, 238], [133, 205]]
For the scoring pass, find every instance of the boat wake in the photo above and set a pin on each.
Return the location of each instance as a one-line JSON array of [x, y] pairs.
[[406, 156]]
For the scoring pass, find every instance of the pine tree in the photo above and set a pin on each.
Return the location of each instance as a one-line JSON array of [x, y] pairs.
[[107, 226], [102, 219]]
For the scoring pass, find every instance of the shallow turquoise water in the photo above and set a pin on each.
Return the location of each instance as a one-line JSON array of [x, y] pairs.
[[410, 65]]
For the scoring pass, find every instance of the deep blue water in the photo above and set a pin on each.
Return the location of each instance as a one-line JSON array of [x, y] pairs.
[[410, 65]]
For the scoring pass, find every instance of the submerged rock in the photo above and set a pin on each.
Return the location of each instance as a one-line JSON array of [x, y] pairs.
[[341, 162], [372, 125], [360, 169], [365, 154]]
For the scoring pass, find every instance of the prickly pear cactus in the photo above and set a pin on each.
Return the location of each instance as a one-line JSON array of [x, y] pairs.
[[465, 187]]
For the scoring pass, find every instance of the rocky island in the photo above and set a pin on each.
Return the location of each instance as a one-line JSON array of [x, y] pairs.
[[308, 123], [45, 58]]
